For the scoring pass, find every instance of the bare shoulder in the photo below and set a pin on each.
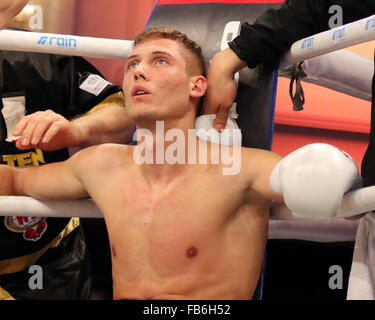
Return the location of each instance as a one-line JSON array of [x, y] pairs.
[[257, 164], [103, 154], [253, 158]]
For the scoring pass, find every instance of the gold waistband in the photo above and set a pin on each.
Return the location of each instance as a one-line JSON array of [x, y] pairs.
[[20, 263], [4, 295], [116, 99]]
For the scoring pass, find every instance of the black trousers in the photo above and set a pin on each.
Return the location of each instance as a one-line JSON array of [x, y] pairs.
[[368, 162], [66, 273]]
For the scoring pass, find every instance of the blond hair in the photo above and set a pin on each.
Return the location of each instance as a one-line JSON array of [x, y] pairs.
[[196, 65]]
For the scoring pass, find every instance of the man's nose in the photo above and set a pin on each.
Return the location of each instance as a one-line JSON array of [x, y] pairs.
[[140, 72]]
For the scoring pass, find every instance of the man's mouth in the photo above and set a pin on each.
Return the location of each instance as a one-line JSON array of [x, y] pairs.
[[139, 91]]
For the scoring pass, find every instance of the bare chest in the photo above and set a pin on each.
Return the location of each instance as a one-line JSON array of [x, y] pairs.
[[185, 211], [167, 229]]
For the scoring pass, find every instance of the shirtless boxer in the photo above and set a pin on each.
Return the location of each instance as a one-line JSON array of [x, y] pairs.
[[175, 232]]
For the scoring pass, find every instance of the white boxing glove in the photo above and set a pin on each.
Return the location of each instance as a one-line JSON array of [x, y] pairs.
[[314, 178]]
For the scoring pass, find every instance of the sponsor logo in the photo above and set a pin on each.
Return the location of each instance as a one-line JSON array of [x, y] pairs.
[[307, 43], [339, 35], [31, 227], [61, 42], [370, 24], [28, 159]]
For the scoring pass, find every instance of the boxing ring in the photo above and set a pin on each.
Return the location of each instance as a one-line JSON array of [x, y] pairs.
[[323, 49]]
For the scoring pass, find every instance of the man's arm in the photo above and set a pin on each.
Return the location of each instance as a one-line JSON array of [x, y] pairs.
[[55, 181], [87, 109], [312, 180], [267, 40], [50, 131], [9, 9], [257, 165], [110, 124]]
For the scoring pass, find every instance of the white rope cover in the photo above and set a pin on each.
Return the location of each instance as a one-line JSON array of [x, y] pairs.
[[328, 41], [332, 40], [342, 70], [65, 44], [27, 206], [353, 203]]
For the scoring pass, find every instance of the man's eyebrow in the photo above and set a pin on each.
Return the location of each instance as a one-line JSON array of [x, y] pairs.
[[161, 52], [133, 56], [154, 53]]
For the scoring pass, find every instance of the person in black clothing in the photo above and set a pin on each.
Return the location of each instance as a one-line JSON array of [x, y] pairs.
[[49, 94], [265, 41], [41, 97]]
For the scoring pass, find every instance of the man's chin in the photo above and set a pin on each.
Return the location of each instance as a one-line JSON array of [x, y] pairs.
[[145, 116]]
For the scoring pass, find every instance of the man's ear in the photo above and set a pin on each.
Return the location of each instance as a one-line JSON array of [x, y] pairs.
[[198, 86]]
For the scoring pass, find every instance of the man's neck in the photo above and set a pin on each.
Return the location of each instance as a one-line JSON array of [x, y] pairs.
[[168, 149]]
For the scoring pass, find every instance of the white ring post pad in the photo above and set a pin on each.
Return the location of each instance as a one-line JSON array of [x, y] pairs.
[[65, 44]]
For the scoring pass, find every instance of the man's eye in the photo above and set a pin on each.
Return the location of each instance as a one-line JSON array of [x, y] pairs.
[[161, 61], [132, 65]]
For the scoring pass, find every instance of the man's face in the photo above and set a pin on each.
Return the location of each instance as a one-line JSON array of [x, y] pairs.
[[156, 85]]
